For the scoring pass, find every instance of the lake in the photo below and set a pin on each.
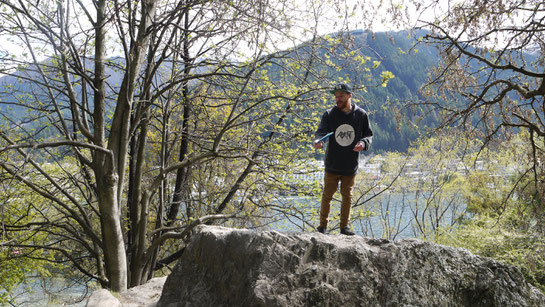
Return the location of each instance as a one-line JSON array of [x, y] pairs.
[[392, 216]]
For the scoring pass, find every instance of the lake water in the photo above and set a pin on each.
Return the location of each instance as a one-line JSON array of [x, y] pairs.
[[51, 292], [392, 216]]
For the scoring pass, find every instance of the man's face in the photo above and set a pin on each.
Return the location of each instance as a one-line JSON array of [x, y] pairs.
[[342, 99]]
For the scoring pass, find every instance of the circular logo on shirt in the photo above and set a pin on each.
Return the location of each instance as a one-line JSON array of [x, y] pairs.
[[344, 135]]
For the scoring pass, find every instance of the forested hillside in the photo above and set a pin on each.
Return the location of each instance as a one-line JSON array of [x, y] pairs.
[[389, 51], [392, 52], [410, 67]]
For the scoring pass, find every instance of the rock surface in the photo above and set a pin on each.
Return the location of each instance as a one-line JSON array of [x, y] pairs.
[[102, 297], [145, 295], [227, 267]]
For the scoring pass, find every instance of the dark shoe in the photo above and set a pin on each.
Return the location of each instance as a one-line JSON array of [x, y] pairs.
[[346, 231], [321, 229]]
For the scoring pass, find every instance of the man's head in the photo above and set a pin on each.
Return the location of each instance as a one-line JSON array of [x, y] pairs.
[[343, 95]]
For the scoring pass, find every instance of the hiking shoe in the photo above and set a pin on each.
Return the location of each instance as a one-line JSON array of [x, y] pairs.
[[321, 229], [346, 231]]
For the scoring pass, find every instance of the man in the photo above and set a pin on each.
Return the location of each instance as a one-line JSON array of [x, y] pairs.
[[351, 134]]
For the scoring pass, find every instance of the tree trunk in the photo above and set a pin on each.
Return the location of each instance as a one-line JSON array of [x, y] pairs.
[[106, 172], [183, 173], [139, 211], [114, 246], [119, 137]]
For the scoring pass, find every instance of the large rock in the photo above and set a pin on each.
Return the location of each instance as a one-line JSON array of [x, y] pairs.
[[227, 267]]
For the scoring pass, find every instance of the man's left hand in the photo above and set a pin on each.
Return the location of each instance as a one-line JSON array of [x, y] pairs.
[[359, 146]]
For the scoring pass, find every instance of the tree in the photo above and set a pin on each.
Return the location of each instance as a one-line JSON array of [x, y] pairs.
[[499, 223], [490, 82], [185, 127]]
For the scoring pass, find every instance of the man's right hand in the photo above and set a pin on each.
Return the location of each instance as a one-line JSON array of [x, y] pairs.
[[318, 145]]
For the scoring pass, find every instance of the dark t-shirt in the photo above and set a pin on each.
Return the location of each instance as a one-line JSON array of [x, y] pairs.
[[349, 129]]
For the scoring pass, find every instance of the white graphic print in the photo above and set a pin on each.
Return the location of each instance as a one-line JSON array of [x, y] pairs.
[[344, 135]]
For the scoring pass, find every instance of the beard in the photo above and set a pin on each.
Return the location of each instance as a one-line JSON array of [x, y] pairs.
[[343, 104]]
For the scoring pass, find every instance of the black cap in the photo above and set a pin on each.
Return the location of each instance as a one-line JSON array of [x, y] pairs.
[[341, 87]]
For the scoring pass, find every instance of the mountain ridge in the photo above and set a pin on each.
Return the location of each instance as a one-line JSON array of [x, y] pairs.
[[391, 49]]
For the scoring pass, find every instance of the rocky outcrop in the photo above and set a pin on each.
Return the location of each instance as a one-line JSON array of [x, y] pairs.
[[227, 267]]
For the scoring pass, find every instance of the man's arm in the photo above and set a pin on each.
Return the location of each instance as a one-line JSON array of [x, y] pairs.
[[367, 135], [321, 131]]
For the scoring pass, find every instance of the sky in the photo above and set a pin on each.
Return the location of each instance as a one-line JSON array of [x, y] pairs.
[[360, 14], [330, 21]]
